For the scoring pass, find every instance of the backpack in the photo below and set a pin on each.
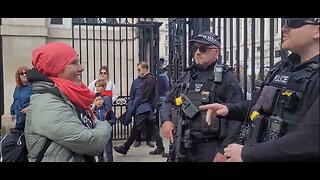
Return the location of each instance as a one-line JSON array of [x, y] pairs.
[[13, 147]]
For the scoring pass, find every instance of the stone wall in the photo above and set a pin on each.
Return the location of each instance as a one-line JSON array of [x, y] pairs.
[[6, 124]]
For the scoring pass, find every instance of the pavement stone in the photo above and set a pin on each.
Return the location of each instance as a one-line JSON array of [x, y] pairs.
[[139, 154]]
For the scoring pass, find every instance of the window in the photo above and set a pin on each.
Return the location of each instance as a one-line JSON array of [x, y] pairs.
[[92, 20], [85, 20], [95, 20], [56, 21], [166, 37]]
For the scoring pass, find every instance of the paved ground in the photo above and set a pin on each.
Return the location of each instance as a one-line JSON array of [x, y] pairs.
[[139, 154]]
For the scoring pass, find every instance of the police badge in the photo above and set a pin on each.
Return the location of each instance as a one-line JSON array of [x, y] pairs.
[[198, 87], [205, 98]]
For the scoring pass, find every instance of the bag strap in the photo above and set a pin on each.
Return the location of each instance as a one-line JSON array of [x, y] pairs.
[[43, 150]]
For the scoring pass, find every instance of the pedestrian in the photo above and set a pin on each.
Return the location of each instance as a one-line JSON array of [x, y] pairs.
[[59, 108], [143, 101]]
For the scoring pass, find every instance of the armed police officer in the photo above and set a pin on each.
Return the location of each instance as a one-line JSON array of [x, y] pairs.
[[203, 82], [276, 120]]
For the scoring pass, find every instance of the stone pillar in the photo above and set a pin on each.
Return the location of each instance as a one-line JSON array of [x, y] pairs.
[[19, 37], [6, 124]]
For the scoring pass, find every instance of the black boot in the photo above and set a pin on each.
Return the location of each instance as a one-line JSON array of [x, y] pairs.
[[137, 144], [150, 144], [121, 149], [158, 150]]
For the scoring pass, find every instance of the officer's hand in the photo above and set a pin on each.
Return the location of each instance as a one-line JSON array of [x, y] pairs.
[[214, 110], [167, 129], [233, 152], [13, 117], [220, 158]]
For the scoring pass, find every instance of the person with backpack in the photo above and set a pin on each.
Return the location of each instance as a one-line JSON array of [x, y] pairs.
[[13, 145], [104, 113], [60, 110]]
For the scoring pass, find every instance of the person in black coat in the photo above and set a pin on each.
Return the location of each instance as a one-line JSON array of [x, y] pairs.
[[142, 106], [204, 82], [301, 145], [282, 102]]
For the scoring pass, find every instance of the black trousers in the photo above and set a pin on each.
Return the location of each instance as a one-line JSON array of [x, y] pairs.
[[146, 133], [203, 151], [136, 130]]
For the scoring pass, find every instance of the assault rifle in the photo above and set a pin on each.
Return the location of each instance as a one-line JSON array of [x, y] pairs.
[[181, 134], [175, 154]]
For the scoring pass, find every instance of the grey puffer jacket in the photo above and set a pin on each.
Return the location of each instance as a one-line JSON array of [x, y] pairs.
[[55, 117]]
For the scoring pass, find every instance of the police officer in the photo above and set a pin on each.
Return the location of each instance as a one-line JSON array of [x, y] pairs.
[[142, 104], [282, 101], [203, 82]]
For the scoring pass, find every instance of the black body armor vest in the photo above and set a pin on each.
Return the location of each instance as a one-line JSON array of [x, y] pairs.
[[283, 101], [200, 89]]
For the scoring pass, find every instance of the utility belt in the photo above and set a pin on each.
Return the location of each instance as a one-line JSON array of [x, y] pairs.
[[198, 137], [202, 130], [191, 138]]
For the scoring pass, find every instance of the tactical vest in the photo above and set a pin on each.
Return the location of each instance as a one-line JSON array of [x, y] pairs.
[[284, 100], [200, 89]]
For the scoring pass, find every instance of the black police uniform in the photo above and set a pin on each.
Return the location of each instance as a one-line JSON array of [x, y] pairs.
[[300, 145], [205, 141], [295, 87]]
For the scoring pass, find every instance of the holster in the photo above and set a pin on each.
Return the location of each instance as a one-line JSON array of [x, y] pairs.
[[265, 101]]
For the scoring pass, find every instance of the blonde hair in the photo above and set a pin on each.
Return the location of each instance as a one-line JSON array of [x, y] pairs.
[[100, 82]]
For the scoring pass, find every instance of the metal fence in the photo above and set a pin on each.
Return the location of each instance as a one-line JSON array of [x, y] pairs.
[[119, 43]]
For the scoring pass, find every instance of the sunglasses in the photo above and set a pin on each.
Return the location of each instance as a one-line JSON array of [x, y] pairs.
[[23, 73], [203, 49], [297, 23], [103, 72]]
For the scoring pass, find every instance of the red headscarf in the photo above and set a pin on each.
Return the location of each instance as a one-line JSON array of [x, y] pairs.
[[51, 59]]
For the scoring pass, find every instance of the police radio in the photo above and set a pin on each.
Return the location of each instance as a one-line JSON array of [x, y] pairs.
[[218, 68], [276, 127]]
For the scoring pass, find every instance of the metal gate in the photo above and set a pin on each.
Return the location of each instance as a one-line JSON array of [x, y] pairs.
[[1, 78], [249, 45], [119, 43]]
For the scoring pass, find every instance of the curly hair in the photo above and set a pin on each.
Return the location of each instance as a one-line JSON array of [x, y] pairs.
[[17, 76]]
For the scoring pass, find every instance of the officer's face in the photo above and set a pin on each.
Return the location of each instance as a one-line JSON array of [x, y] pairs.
[[298, 39], [205, 55]]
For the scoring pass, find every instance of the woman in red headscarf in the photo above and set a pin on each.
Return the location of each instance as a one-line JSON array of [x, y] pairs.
[[59, 108]]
